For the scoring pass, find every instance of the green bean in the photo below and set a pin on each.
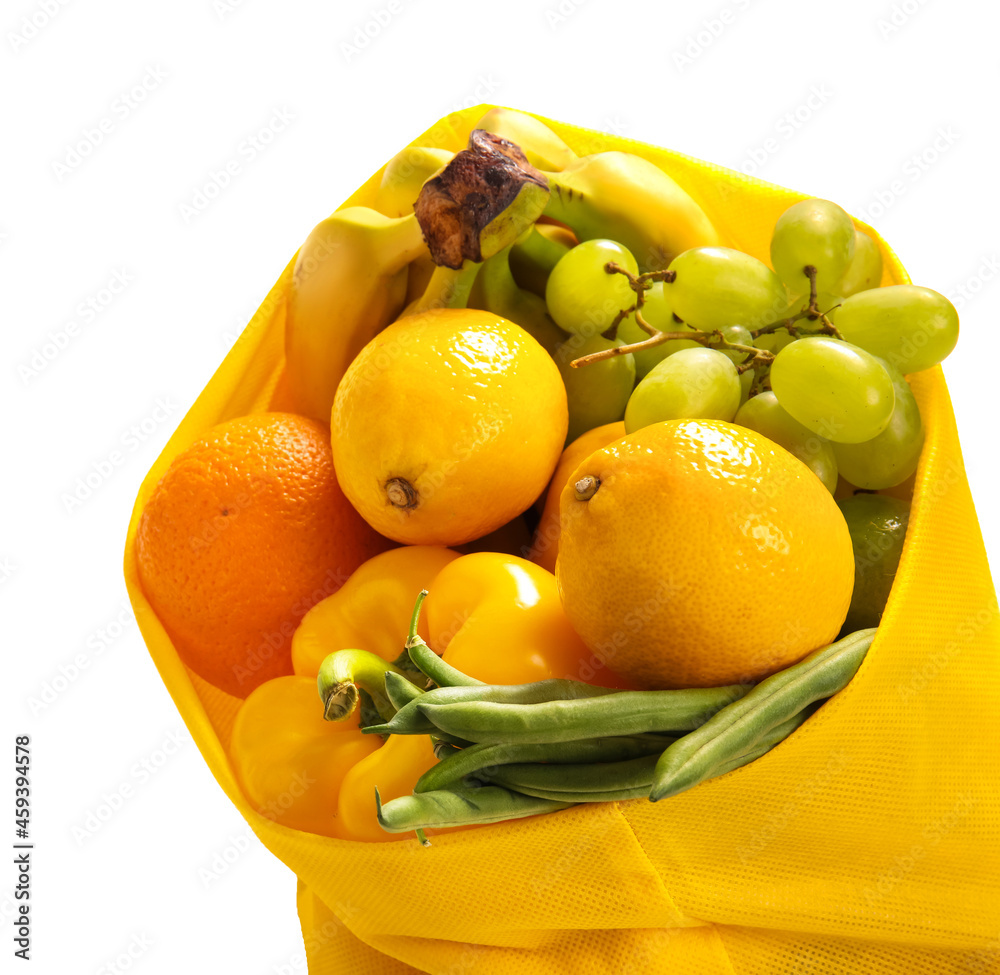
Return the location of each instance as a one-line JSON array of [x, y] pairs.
[[459, 807], [538, 692], [619, 781], [576, 798], [774, 737], [340, 676], [427, 661], [409, 721], [611, 715], [596, 779], [451, 769], [400, 690], [736, 729]]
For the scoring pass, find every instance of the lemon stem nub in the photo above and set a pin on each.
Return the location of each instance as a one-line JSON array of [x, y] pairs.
[[402, 494], [587, 487]]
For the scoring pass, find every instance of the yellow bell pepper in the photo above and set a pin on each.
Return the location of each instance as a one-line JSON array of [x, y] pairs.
[[393, 770], [499, 619], [290, 762], [371, 611]]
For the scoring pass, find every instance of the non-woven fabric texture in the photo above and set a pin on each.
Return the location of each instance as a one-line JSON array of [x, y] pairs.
[[868, 841]]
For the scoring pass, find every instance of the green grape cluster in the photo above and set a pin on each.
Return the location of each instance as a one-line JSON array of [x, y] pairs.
[[813, 354]]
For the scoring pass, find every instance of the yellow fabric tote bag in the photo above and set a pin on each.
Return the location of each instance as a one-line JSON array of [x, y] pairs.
[[867, 842]]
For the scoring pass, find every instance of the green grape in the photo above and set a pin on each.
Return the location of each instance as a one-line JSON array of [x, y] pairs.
[[815, 232], [878, 528], [581, 296], [596, 393], [865, 269], [892, 456], [697, 384], [769, 418], [717, 286], [774, 341], [746, 383], [835, 389], [660, 315], [913, 328], [740, 336]]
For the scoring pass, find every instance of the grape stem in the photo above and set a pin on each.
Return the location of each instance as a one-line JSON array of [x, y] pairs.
[[640, 284], [757, 359], [811, 311]]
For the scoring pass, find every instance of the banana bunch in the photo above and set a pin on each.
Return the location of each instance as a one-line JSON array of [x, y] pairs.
[[431, 241]]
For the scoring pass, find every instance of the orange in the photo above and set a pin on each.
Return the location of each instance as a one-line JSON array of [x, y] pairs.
[[545, 545], [704, 554], [447, 425], [244, 533]]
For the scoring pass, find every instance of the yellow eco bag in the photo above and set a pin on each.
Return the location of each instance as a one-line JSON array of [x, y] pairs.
[[867, 842]]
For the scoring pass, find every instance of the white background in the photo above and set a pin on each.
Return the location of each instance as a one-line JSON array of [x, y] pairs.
[[887, 107]]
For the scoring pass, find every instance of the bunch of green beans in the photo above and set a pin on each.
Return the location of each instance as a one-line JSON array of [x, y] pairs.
[[509, 751]]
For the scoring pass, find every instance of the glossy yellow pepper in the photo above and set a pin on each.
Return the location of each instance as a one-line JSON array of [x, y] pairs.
[[290, 762], [393, 770], [371, 611], [499, 619]]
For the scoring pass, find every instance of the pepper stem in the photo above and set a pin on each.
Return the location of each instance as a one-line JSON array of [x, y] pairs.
[[342, 674]]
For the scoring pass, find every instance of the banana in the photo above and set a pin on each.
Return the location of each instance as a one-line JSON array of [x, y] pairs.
[[349, 282], [417, 277], [405, 174], [544, 149], [626, 198], [446, 288], [498, 292], [532, 259]]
